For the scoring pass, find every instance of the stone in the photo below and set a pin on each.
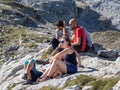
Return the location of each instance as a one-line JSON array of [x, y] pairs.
[[116, 87], [107, 53], [87, 88], [118, 60], [108, 8], [96, 47], [75, 87]]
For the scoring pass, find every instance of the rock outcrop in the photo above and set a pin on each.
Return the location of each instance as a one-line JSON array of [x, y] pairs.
[[107, 8], [11, 71], [33, 13]]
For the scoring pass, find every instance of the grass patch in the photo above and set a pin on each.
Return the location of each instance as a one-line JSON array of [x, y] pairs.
[[45, 53], [12, 34], [85, 80], [104, 84], [22, 36], [109, 39], [11, 86], [30, 45], [97, 84], [50, 88], [1, 62], [81, 80]]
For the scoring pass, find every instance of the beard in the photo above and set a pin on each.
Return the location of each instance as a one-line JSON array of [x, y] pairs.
[[72, 28]]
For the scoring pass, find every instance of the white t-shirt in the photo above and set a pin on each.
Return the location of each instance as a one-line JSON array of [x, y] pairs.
[[59, 33]]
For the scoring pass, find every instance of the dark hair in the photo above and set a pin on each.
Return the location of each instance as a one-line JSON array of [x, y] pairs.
[[67, 39], [59, 23]]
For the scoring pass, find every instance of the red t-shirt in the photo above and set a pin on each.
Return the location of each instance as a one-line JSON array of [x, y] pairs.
[[79, 33]]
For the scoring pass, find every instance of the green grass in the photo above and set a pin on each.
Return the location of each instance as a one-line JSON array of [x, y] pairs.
[[85, 80], [29, 38], [1, 62], [81, 80], [12, 34], [11, 86], [46, 53], [98, 84], [109, 39], [50, 88]]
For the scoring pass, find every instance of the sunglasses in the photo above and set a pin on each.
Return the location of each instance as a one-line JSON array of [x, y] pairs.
[[61, 41]]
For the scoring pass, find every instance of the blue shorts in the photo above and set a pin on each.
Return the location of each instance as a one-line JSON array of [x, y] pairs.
[[71, 68]]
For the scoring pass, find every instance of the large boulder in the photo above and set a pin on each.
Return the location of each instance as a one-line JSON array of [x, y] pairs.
[[53, 9], [107, 8]]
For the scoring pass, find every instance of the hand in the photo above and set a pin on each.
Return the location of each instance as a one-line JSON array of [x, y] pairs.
[[79, 65], [38, 80]]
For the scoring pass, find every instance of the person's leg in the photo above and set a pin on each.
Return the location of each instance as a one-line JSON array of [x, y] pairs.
[[87, 48], [54, 43], [25, 69], [28, 70], [25, 65], [45, 73], [55, 65]]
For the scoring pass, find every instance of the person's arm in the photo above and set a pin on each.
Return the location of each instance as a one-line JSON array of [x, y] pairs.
[[77, 36], [57, 35], [65, 32], [60, 54], [78, 42], [78, 57]]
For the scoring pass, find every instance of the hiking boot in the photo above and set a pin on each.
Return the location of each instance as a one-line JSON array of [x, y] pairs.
[[24, 77], [28, 82]]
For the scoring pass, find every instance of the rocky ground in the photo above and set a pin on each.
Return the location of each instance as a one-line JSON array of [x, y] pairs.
[[95, 66], [27, 28]]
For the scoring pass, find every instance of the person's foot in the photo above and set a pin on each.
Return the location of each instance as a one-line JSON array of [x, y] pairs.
[[44, 79], [24, 77], [28, 82]]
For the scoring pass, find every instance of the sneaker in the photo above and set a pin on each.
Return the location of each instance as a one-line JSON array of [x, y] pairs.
[[28, 82], [24, 77]]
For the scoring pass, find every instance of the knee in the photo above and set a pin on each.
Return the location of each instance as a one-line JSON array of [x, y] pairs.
[[30, 66], [55, 61]]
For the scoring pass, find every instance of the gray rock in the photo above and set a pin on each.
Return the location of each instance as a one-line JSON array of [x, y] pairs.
[[75, 87], [50, 8], [107, 8], [118, 60], [12, 47], [96, 47], [10, 72], [116, 87], [108, 53], [87, 88]]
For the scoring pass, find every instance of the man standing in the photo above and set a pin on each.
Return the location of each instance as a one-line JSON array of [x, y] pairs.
[[78, 38]]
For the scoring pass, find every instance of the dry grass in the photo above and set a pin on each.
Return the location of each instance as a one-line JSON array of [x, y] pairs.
[[109, 39]]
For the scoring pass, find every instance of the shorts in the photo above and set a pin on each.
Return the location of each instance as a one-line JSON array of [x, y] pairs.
[[35, 75], [71, 68]]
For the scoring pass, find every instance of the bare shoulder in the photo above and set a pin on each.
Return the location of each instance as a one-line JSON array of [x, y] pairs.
[[69, 50]]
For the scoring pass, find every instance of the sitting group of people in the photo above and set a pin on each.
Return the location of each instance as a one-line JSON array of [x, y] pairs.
[[65, 58]]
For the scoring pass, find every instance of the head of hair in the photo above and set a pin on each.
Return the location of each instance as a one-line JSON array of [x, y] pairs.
[[73, 21], [59, 23], [67, 40]]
